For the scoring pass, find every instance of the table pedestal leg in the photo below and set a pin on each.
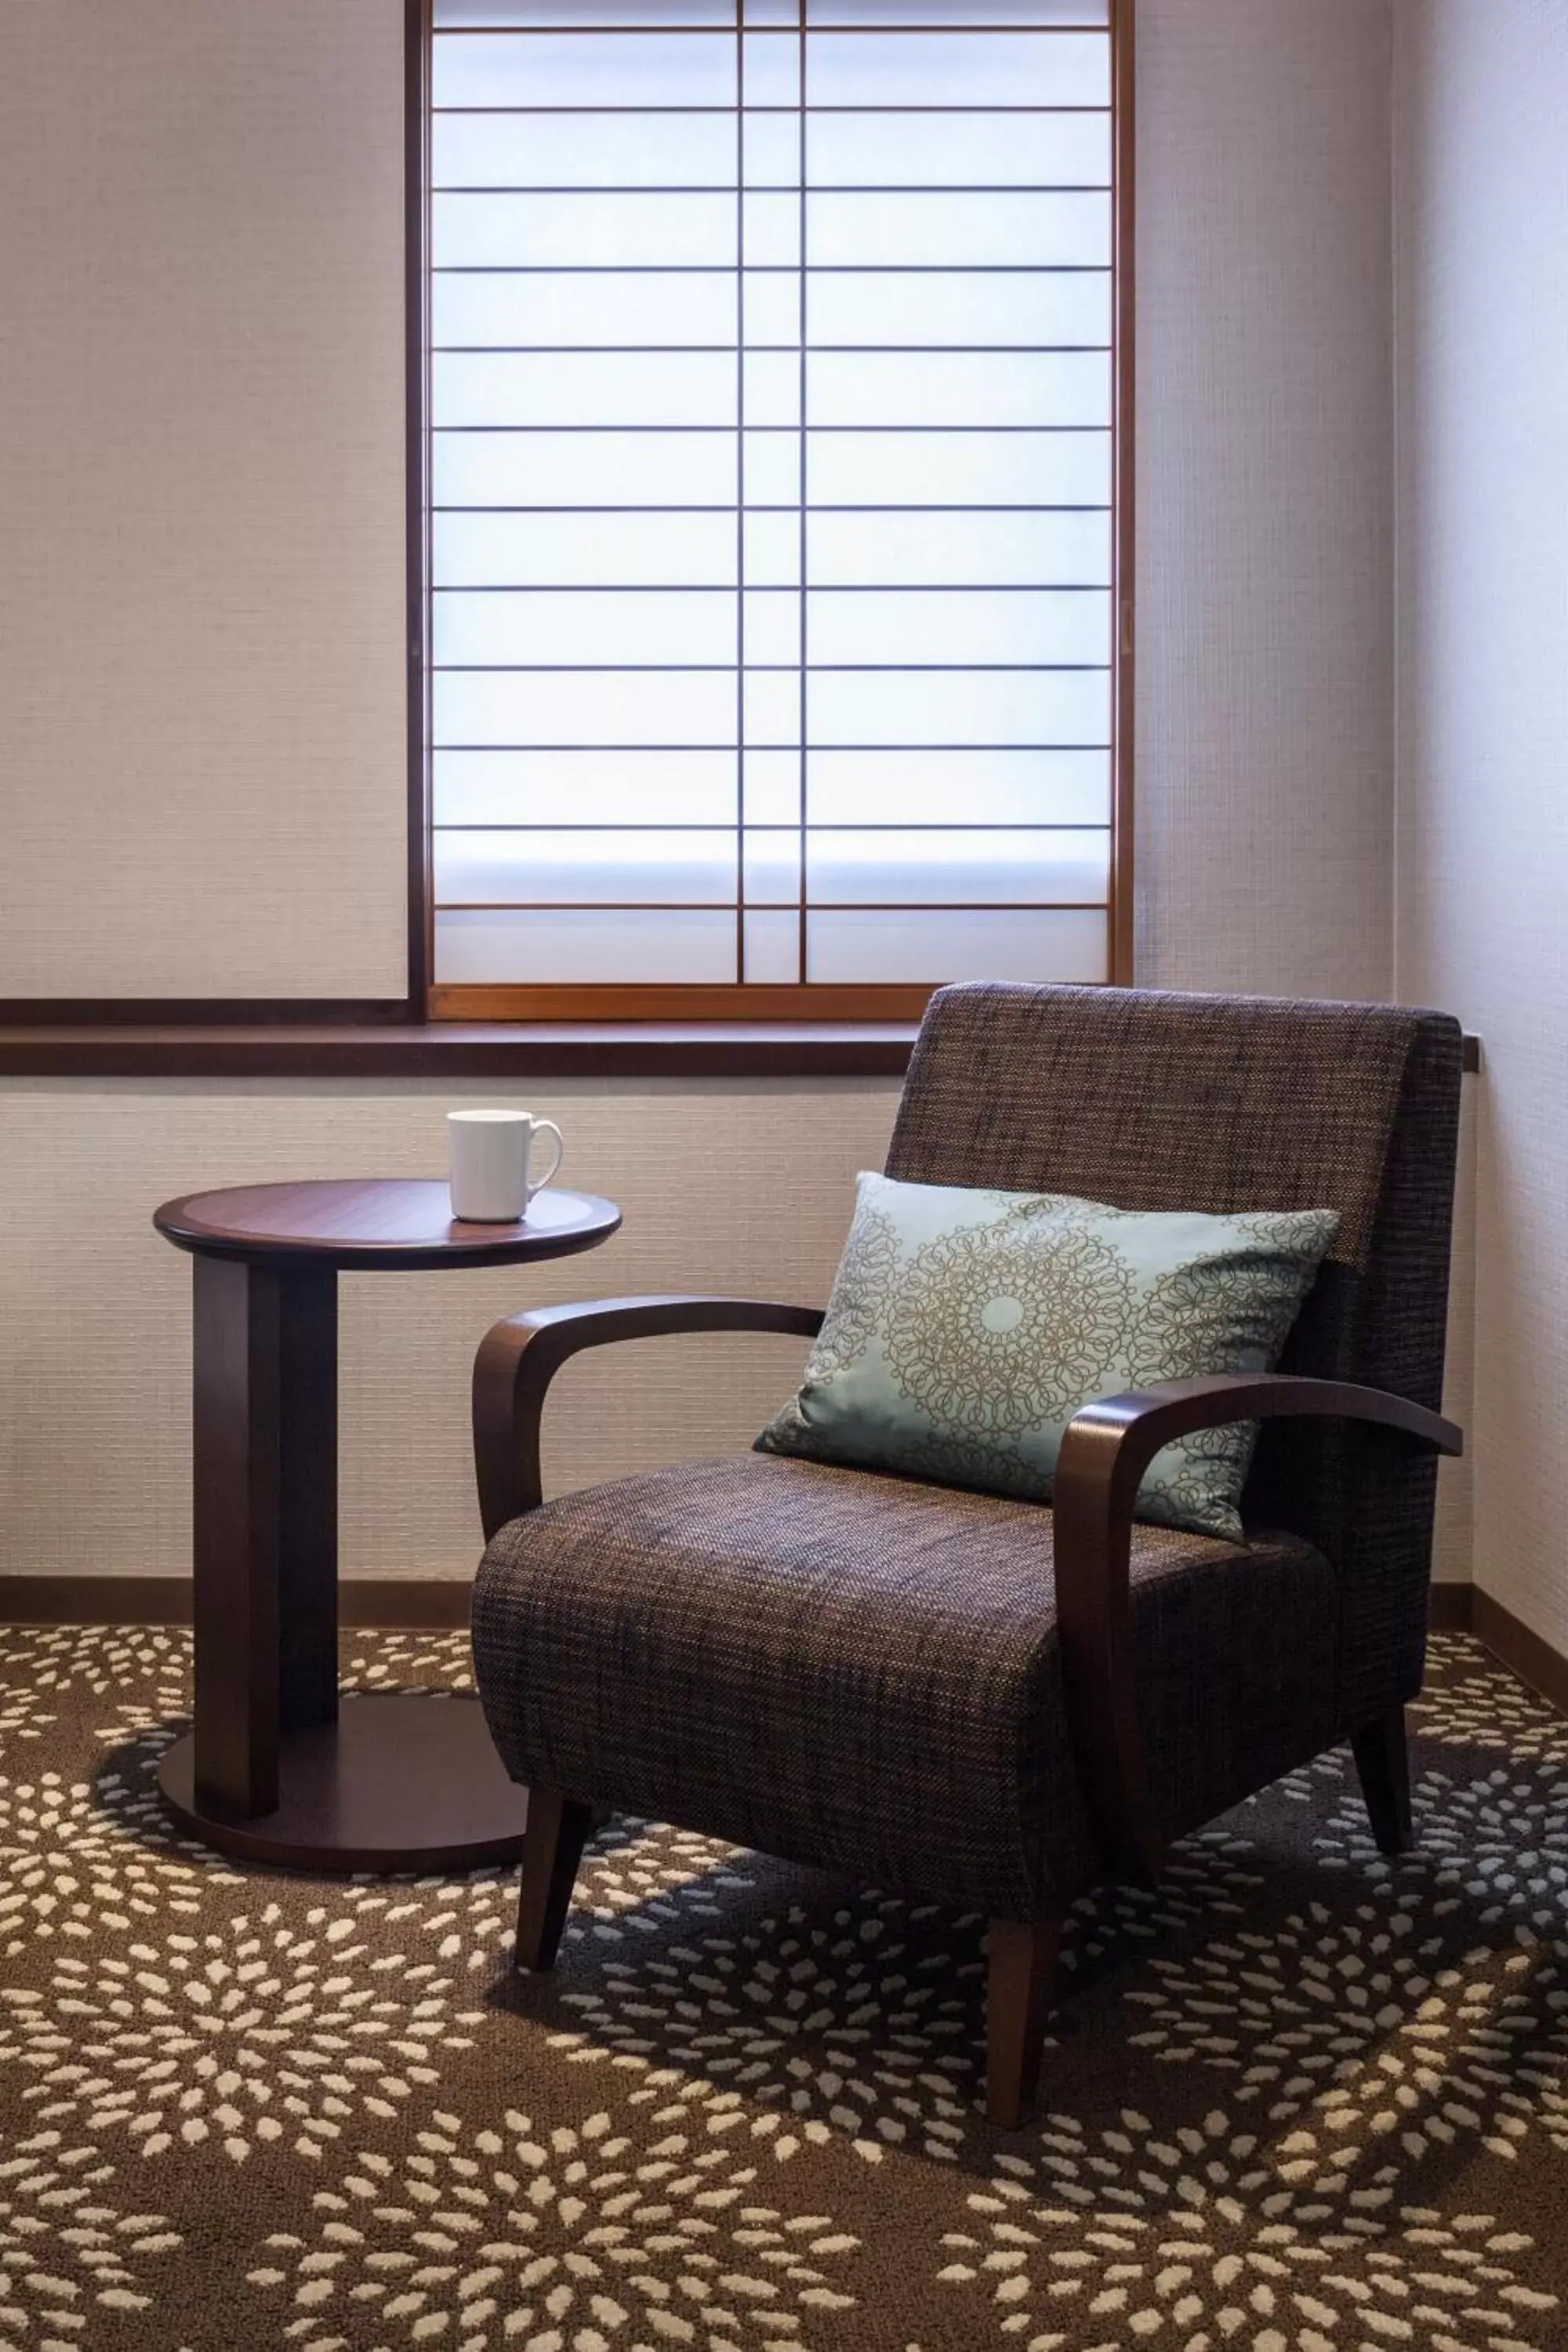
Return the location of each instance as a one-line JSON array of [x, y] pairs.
[[308, 1499], [265, 1423], [276, 1771]]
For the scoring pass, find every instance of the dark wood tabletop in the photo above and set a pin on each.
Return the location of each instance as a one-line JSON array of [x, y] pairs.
[[391, 1222]]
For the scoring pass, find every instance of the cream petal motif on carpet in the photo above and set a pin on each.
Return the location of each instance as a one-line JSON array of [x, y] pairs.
[[1495, 1712], [254, 2033], [69, 2249], [1359, 2020], [577, 2233], [1301, 2099], [1128, 2228]]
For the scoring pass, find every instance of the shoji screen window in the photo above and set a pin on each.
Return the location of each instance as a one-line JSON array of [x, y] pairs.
[[773, 539]]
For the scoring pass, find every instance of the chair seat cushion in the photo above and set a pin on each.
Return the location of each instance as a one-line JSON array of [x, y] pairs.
[[862, 1672]]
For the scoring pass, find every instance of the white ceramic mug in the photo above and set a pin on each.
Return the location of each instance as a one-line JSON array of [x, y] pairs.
[[491, 1182]]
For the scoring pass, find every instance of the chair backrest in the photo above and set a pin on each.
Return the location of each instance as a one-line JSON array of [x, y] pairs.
[[1151, 1101]]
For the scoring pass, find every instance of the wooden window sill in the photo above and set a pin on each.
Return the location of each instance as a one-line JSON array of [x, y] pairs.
[[455, 1049], [468, 1049]]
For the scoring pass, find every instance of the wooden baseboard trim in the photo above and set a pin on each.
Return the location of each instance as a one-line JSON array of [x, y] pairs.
[[1524, 1654], [95, 1599], [1466, 1609], [395, 1603]]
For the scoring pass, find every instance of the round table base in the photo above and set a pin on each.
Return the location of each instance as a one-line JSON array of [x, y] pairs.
[[405, 1783]]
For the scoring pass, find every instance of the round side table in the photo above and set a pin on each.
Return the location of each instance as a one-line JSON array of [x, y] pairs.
[[278, 1768]]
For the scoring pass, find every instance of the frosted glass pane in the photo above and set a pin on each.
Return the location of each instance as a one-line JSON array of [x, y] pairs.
[[772, 551], [922, 307], [772, 388], [965, 705], [585, 469], [609, 707], [573, 946], [864, 949], [628, 787], [582, 150], [958, 12], [770, 145], [583, 70], [771, 787], [571, 12], [597, 628], [581, 231], [925, 787], [772, 306], [585, 320], [524, 551], [941, 469], [773, 469], [951, 228], [770, 69], [958, 388], [582, 388], [978, 151], [500, 307], [934, 869], [773, 868], [988, 625], [772, 624], [772, 699], [958, 550], [771, 229], [584, 869], [772, 948], [958, 68]]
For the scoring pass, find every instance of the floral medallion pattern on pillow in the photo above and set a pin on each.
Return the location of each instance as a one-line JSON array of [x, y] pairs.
[[967, 1327]]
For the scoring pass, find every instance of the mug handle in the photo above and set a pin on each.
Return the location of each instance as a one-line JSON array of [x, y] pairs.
[[538, 1183]]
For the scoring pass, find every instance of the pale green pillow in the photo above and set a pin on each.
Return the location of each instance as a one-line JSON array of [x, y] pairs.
[[967, 1328]]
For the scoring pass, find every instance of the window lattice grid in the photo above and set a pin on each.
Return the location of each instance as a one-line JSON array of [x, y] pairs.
[[771, 455]]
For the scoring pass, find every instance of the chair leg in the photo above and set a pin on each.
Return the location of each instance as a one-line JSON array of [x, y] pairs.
[[1021, 1973], [556, 1832], [1384, 1767]]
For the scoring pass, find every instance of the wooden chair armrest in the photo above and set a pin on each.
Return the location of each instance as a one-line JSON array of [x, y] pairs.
[[1105, 1452], [519, 1358]]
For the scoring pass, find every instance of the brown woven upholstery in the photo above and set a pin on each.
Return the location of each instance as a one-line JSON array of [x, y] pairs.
[[861, 1671], [1153, 1101]]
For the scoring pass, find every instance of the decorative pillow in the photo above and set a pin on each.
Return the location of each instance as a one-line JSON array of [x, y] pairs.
[[967, 1328]]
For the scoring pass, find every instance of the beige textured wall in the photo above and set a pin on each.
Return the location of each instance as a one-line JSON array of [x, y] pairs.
[[1265, 508], [202, 669], [200, 658], [201, 498], [1481, 277], [742, 1188]]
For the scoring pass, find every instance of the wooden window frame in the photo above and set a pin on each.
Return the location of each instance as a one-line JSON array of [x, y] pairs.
[[737, 1001]]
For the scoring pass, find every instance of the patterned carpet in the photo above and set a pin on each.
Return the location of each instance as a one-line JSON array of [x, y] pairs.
[[1299, 2100]]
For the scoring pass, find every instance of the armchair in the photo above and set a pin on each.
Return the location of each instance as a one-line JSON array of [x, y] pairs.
[[984, 1700]]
